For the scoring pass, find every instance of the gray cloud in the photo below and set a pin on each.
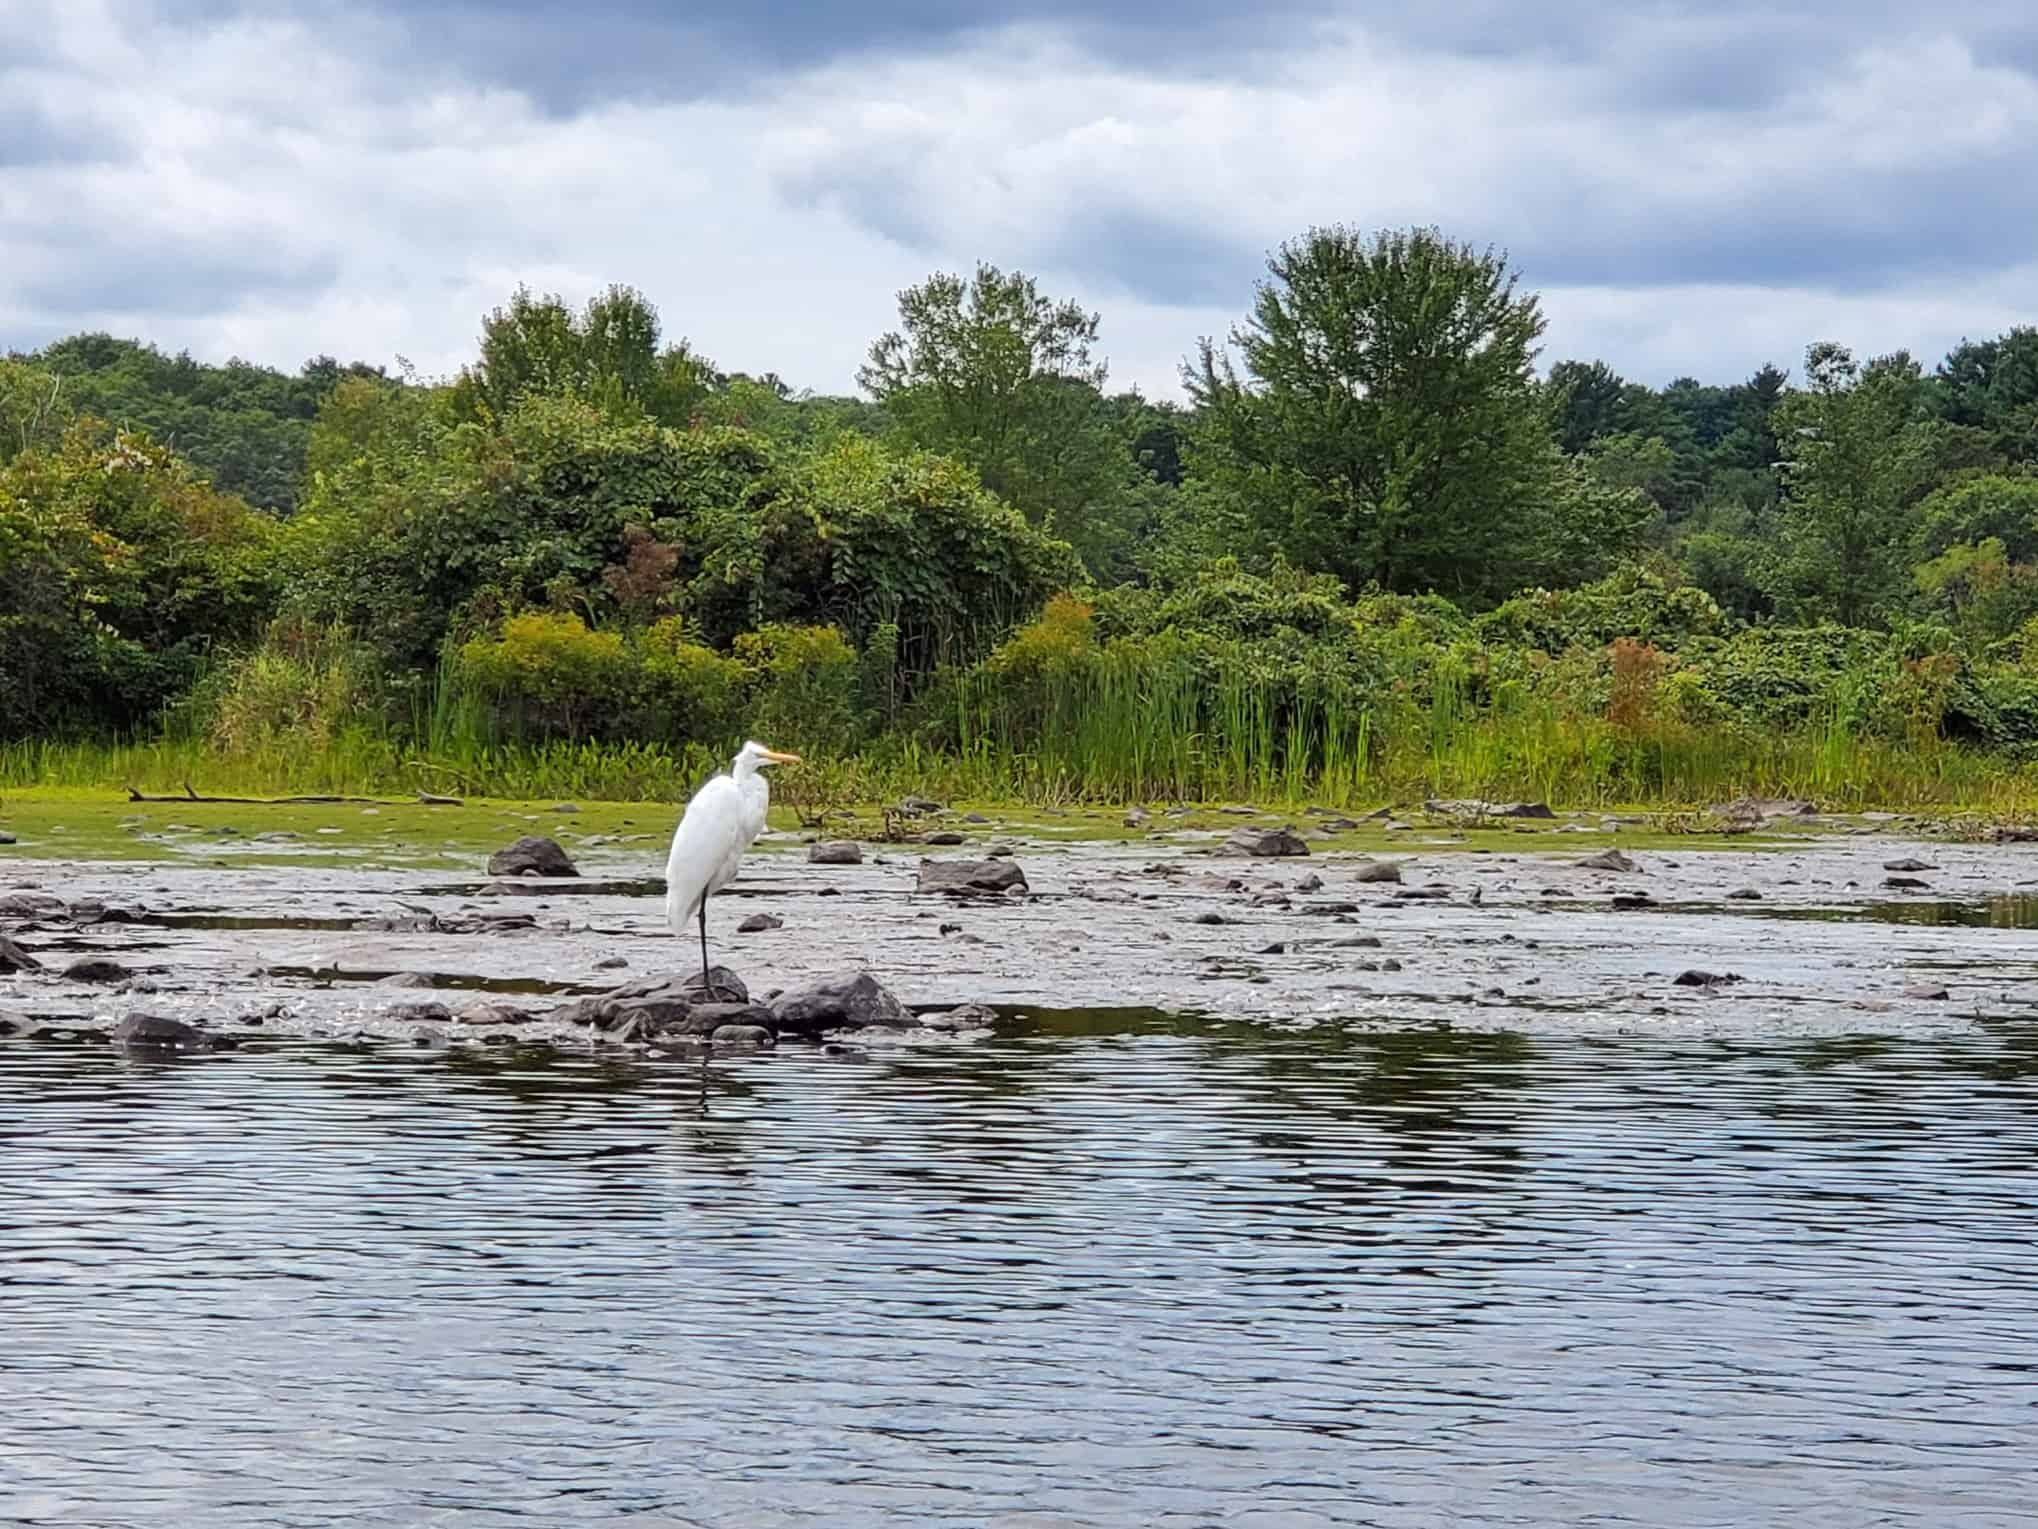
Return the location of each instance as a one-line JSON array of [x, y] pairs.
[[1694, 187]]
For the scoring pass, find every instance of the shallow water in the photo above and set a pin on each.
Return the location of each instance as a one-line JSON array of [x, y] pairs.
[[1102, 1268]]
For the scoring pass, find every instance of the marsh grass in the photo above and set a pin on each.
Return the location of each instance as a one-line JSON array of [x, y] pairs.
[[1117, 729]]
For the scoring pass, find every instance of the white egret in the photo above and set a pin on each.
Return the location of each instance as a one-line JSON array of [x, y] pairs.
[[719, 824]]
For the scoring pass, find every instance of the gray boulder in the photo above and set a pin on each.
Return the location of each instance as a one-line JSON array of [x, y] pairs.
[[31, 905], [14, 959], [1608, 860], [848, 1001], [756, 1036], [707, 1018], [1265, 842], [1473, 808], [835, 852], [532, 856], [970, 875], [1379, 870]]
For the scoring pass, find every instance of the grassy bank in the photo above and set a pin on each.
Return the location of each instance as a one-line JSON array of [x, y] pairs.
[[1112, 754]]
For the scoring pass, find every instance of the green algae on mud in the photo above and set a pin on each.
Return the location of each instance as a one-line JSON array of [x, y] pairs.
[[80, 825]]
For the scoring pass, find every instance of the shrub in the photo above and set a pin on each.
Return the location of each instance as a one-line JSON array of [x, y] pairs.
[[803, 684], [690, 692], [551, 674]]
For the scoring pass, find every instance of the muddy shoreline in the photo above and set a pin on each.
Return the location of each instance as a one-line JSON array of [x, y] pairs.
[[1486, 937]]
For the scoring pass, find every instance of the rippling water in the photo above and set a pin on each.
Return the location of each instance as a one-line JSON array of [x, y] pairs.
[[1115, 1269]]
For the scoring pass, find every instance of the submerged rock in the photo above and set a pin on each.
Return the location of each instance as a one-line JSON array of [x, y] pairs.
[[1926, 990], [917, 807], [711, 1018], [970, 876], [14, 959], [848, 1001], [1266, 842], [532, 856], [835, 852], [1693, 977], [1744, 895], [1378, 870], [487, 1011], [1608, 860], [97, 969], [757, 1037], [1906, 884], [158, 1032], [948, 836], [758, 923], [1908, 864]]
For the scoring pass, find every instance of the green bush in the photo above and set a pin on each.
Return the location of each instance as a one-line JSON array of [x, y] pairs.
[[551, 676]]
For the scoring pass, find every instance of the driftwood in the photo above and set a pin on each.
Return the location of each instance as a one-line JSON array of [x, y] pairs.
[[423, 798]]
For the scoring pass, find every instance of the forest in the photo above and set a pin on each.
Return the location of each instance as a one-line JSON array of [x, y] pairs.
[[1382, 546]]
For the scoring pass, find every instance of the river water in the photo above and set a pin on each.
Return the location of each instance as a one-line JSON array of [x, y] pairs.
[[1105, 1268]]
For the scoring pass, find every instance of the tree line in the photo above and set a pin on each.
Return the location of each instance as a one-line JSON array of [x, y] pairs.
[[605, 531]]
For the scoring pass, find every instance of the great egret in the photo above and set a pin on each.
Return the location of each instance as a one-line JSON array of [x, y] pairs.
[[721, 821]]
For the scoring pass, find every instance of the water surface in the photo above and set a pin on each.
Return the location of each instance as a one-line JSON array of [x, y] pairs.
[[1107, 1268]]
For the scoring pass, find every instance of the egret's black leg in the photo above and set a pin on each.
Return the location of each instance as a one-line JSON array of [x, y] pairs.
[[709, 990]]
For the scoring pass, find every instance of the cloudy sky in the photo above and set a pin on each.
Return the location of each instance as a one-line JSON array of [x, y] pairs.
[[1693, 188]]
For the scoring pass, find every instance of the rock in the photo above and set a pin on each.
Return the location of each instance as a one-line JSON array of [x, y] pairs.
[[7, 838], [14, 959], [31, 905], [1327, 910], [1422, 895], [1753, 811], [968, 1016], [707, 1018], [611, 963], [97, 969], [91, 910], [1265, 842], [835, 852], [1275, 949], [974, 817], [1134, 816], [158, 1032], [917, 807], [567, 807], [757, 923], [487, 1011], [1693, 977], [947, 836], [407, 979], [1472, 808], [722, 986], [1390, 965], [1378, 870], [1926, 990], [425, 1012], [1357, 942], [531, 856], [1310, 883], [849, 1000], [1905, 884], [1209, 918], [756, 1037], [1608, 860], [1632, 899], [1907, 865], [1744, 895], [970, 876]]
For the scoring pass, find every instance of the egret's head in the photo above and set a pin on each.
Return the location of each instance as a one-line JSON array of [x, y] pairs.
[[756, 755]]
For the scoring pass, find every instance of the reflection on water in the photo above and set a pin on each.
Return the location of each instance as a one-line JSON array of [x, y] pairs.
[[1112, 1268]]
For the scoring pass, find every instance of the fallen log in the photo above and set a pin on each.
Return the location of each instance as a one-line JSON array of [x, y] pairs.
[[423, 798]]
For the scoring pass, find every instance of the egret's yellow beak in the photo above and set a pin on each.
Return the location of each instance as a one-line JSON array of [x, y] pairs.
[[775, 757]]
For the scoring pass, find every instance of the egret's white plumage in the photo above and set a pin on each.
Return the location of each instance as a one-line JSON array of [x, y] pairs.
[[720, 823]]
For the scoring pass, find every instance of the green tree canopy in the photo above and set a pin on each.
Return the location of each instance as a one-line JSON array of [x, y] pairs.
[[1386, 425]]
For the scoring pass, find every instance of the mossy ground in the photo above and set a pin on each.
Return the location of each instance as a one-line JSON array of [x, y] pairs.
[[98, 826]]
